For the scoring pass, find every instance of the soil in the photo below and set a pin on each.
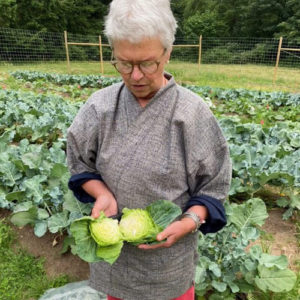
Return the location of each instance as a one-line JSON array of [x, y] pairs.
[[280, 238], [49, 247]]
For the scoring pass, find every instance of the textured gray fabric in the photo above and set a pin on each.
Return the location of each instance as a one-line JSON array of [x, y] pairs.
[[171, 149]]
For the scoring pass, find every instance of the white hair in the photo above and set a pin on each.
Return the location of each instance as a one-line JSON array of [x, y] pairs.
[[135, 20]]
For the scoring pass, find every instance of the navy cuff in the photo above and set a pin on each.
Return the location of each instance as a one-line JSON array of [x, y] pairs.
[[75, 183], [216, 213]]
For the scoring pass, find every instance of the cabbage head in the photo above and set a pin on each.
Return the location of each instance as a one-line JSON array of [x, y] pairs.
[[137, 226], [105, 231]]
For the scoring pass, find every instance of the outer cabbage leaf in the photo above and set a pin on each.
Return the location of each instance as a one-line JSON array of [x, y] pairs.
[[163, 212], [110, 253], [85, 246]]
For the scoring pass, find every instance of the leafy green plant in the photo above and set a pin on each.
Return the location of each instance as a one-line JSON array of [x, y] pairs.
[[226, 268], [60, 79], [290, 199]]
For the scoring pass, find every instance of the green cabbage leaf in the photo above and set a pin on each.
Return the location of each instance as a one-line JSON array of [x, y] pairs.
[[89, 246]]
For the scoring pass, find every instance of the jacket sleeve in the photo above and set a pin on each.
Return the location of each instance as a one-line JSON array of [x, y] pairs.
[[82, 141], [75, 183], [209, 168]]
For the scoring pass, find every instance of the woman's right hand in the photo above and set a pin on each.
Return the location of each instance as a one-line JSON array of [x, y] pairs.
[[107, 203], [105, 200]]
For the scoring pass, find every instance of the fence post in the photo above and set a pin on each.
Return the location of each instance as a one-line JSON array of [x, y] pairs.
[[277, 60], [101, 55], [200, 50], [67, 50]]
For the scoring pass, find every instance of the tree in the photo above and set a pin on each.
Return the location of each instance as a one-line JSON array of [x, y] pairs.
[[86, 17], [261, 17], [41, 15], [206, 24], [76, 16], [191, 7], [7, 13], [290, 28]]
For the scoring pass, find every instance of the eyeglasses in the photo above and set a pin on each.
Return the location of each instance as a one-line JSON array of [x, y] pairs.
[[146, 66]]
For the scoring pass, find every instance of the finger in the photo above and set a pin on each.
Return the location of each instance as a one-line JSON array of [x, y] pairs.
[[165, 233], [96, 210], [168, 243], [151, 247]]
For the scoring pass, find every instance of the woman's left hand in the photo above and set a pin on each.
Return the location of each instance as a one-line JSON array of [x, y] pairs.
[[172, 234]]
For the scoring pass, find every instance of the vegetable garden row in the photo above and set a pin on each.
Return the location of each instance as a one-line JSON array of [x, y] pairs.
[[264, 138]]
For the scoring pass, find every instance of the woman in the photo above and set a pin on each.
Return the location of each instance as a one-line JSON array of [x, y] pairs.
[[146, 139]]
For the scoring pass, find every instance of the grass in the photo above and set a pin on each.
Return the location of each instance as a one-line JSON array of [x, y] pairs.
[[253, 77], [22, 276]]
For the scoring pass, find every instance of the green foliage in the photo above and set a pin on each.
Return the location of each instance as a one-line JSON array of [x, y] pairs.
[[225, 268], [7, 12], [22, 276], [206, 24], [290, 27], [60, 79], [229, 18], [54, 15]]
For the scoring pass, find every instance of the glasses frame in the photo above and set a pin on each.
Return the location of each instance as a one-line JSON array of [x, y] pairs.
[[115, 61]]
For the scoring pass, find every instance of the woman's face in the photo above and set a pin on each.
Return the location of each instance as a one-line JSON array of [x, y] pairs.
[[142, 86]]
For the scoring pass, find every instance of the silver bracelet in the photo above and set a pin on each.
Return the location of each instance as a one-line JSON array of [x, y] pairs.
[[195, 218]]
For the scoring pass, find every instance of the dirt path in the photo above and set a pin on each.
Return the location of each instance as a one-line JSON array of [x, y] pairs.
[[280, 239]]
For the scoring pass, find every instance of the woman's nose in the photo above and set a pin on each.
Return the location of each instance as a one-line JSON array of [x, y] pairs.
[[136, 73]]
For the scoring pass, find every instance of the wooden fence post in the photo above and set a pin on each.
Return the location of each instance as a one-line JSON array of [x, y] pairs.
[[277, 60], [67, 50], [101, 55], [200, 51]]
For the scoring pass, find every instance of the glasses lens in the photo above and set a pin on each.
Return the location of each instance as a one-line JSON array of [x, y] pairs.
[[123, 67], [148, 67]]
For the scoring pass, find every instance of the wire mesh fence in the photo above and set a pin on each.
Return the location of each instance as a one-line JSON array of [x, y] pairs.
[[30, 46], [24, 46]]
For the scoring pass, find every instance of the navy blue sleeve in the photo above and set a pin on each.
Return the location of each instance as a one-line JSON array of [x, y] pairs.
[[216, 213], [75, 183]]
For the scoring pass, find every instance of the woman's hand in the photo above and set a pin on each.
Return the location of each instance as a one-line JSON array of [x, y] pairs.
[[107, 203], [172, 234], [178, 229], [105, 200]]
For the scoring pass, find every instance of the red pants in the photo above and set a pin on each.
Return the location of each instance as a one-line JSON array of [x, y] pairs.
[[188, 295]]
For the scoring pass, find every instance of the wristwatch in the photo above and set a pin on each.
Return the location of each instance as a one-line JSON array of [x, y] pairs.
[[195, 218]]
